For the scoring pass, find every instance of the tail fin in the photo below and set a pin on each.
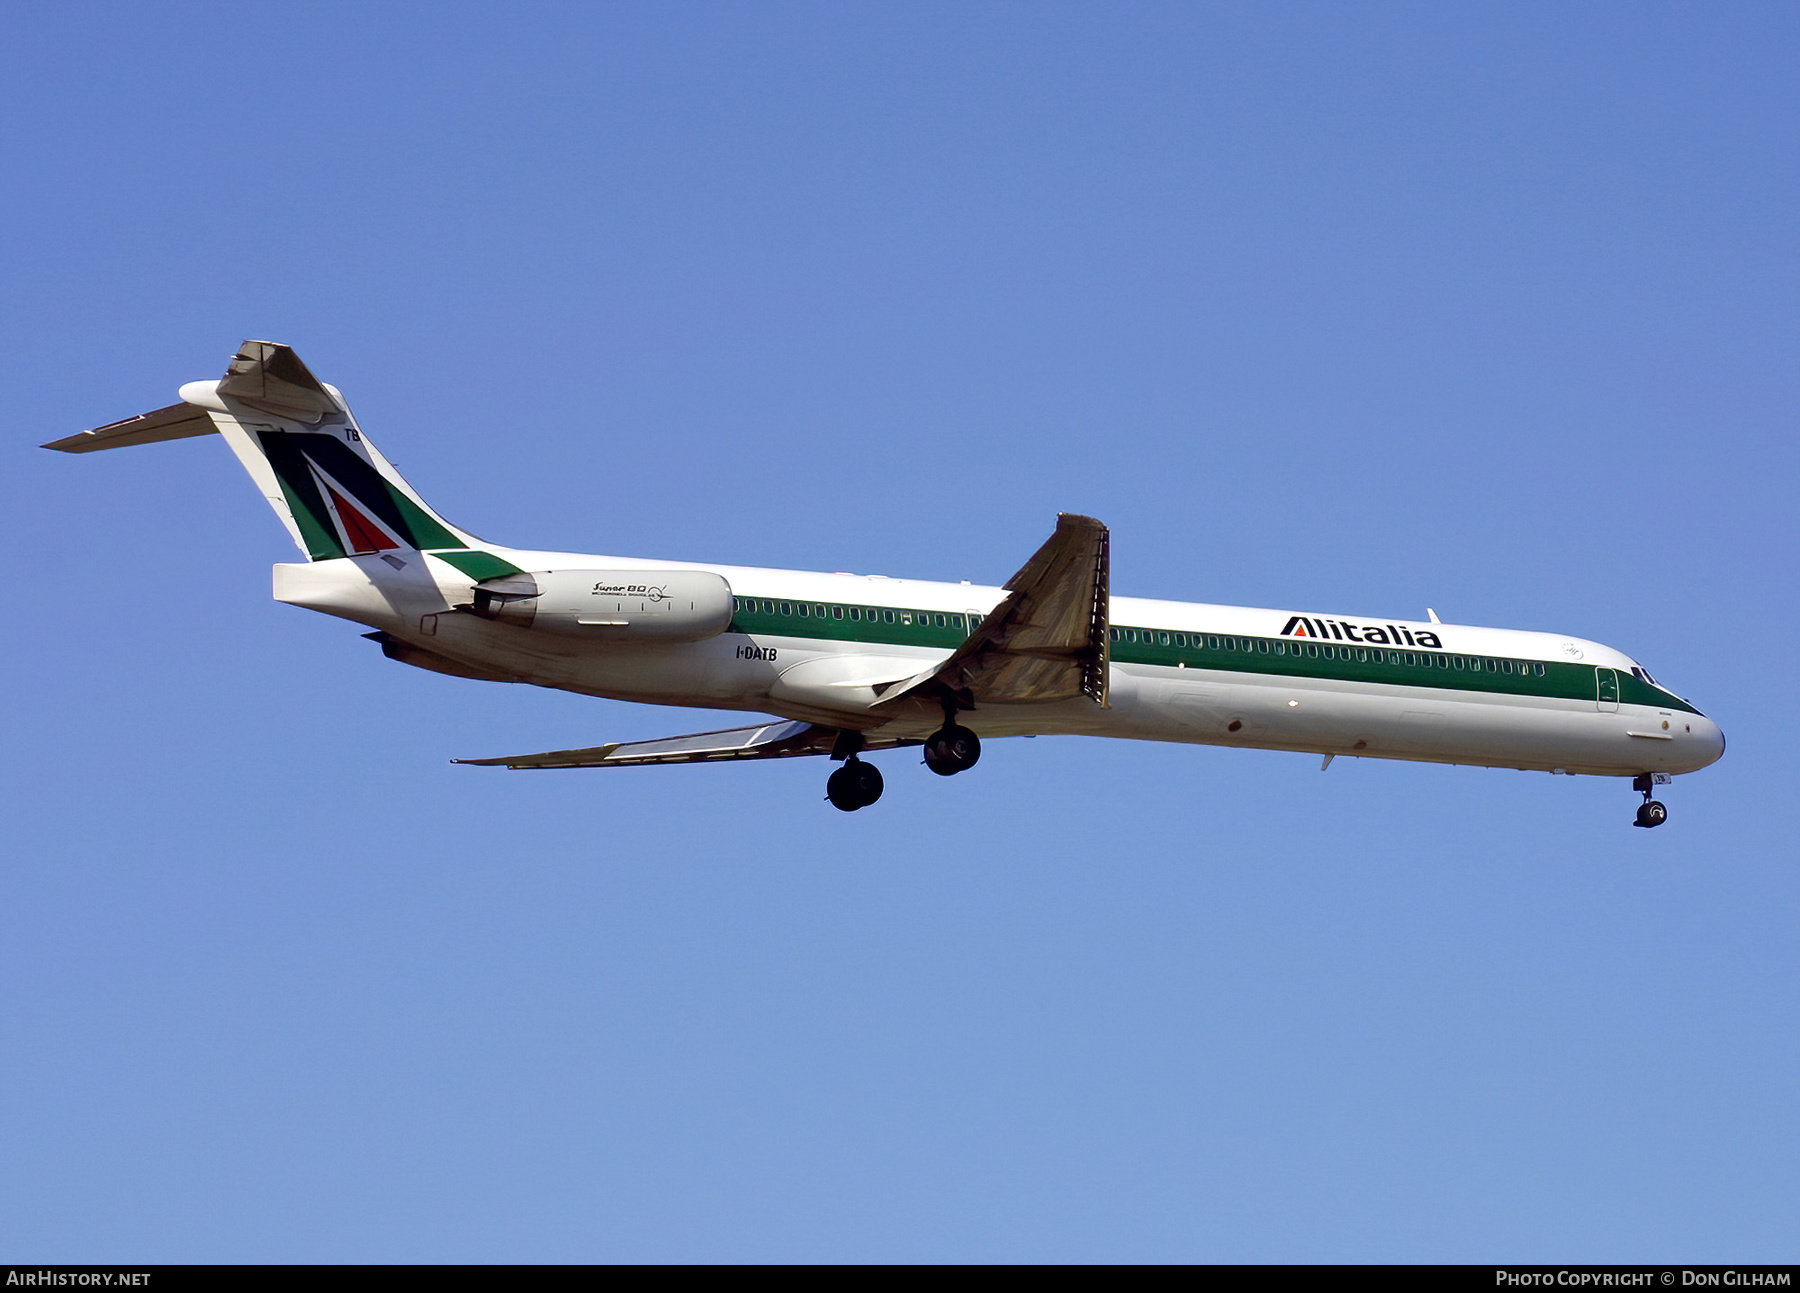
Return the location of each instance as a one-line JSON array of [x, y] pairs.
[[300, 443]]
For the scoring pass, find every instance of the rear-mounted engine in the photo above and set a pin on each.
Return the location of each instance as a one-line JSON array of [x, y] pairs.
[[610, 605]]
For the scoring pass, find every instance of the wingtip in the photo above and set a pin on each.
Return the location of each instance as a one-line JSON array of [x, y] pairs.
[[1078, 520]]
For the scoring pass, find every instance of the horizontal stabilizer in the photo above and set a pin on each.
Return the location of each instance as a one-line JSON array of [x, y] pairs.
[[331, 488], [269, 376], [177, 422], [765, 741]]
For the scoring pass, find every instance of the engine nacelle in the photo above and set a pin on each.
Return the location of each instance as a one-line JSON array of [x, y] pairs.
[[610, 605]]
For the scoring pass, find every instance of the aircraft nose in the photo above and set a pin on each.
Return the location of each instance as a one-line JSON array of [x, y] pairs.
[[1711, 740]]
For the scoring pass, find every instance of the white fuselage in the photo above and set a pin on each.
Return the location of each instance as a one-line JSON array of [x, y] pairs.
[[1498, 711]]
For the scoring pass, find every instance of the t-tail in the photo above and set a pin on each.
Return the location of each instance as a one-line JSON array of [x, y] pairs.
[[302, 446]]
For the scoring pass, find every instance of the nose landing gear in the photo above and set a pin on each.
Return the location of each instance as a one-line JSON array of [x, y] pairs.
[[1650, 813]]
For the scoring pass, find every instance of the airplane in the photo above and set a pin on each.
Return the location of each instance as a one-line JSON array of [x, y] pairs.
[[848, 665]]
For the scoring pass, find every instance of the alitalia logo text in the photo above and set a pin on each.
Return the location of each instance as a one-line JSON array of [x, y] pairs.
[[1307, 626]]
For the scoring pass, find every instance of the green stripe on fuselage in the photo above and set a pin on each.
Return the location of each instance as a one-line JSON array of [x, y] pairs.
[[1276, 657], [1443, 670], [833, 622]]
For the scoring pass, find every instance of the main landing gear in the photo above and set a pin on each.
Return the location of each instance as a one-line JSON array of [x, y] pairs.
[[949, 750], [856, 784], [1650, 812], [952, 749]]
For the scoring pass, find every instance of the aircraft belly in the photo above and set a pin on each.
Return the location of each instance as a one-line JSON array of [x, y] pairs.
[[1373, 720]]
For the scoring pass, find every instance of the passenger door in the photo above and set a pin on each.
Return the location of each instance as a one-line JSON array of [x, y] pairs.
[[1606, 682]]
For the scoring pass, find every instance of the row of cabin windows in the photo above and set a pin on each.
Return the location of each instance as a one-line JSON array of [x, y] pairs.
[[860, 614], [1327, 651], [1157, 637]]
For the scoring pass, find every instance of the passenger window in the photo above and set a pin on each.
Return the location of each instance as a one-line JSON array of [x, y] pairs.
[[1181, 639], [787, 608], [1212, 643], [1262, 645], [837, 612], [1162, 639], [940, 620], [1538, 669], [887, 617], [1281, 648]]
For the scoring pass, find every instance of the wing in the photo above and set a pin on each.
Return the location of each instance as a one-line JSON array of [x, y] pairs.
[[1046, 641], [766, 741]]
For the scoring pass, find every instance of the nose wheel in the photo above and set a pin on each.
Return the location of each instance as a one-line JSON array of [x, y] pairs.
[[1651, 812]]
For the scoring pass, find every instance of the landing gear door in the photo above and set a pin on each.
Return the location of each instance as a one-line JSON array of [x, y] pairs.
[[1606, 682]]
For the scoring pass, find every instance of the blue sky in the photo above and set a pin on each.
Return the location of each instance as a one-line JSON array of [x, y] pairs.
[[1355, 309]]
